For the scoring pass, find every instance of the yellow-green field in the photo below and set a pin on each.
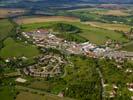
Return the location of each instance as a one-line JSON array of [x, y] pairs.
[[4, 12], [112, 12], [102, 11], [36, 19], [18, 49], [119, 27]]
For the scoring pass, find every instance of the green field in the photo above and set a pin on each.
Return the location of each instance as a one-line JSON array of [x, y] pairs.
[[93, 34], [5, 28], [128, 47], [7, 89], [32, 96], [5, 93], [17, 49]]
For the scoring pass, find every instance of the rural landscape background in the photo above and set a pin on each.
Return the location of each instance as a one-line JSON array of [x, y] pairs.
[[66, 49]]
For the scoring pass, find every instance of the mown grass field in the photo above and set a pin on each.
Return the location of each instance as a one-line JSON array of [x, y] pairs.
[[118, 27], [93, 34], [5, 28], [17, 49]]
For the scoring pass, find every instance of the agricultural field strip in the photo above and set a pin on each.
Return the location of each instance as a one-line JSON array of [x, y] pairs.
[[5, 12], [38, 91], [28, 20], [119, 27]]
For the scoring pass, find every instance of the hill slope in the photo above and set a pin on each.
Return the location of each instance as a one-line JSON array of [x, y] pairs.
[[3, 2]]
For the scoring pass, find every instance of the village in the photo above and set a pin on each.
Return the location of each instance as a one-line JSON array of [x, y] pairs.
[[45, 39], [47, 66]]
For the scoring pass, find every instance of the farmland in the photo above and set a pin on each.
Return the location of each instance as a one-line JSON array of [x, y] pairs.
[[119, 27], [38, 19], [18, 49], [104, 11], [111, 12], [7, 43], [5, 12], [5, 28]]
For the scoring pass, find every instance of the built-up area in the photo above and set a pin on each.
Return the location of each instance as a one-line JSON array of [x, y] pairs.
[[46, 39]]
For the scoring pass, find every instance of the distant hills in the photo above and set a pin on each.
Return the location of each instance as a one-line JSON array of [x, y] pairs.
[[58, 1], [55, 3]]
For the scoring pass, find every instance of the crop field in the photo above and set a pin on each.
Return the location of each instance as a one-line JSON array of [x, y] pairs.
[[16, 49], [36, 19], [4, 12], [119, 27], [5, 28], [102, 11], [112, 12], [93, 34]]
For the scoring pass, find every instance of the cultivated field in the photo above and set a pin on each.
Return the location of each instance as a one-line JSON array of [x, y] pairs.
[[104, 11], [36, 19], [119, 27], [112, 12], [4, 12]]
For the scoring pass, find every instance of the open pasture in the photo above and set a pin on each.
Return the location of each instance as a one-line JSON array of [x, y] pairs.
[[5, 28], [17, 49], [38, 19]]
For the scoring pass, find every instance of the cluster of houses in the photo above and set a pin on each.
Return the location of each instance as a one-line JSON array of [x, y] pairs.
[[47, 66], [46, 39], [130, 86], [119, 56]]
